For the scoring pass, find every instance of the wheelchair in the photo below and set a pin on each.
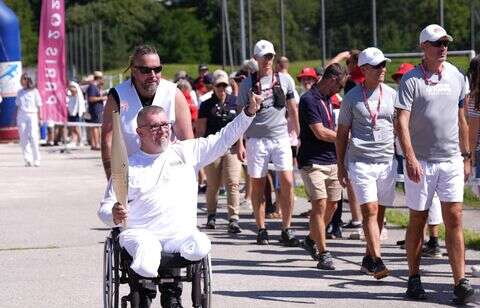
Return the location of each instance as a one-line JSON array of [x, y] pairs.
[[115, 273]]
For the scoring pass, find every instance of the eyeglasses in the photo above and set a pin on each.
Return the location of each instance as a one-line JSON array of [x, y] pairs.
[[158, 126], [147, 70], [379, 65], [440, 43], [221, 85]]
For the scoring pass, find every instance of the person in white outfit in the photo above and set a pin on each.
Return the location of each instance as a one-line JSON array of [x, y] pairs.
[[161, 214], [76, 108], [28, 103], [145, 87]]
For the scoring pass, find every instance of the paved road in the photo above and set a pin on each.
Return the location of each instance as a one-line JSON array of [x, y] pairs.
[[51, 245]]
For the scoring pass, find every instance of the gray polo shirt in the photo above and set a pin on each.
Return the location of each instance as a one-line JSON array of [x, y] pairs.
[[270, 122], [433, 112], [367, 143]]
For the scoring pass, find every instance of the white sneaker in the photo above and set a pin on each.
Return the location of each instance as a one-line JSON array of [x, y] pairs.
[[476, 270], [36, 164], [247, 204]]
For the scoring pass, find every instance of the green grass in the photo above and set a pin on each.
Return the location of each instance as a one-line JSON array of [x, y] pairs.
[[300, 192], [400, 218], [470, 199], [169, 69]]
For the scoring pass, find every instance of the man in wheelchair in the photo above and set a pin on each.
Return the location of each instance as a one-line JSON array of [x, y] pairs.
[[162, 194]]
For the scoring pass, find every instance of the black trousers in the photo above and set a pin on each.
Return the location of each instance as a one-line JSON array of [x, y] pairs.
[[143, 291]]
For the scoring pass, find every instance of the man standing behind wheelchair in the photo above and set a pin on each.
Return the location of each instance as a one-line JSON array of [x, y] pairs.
[[161, 214]]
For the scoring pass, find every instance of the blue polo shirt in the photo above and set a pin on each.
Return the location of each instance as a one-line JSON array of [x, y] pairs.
[[311, 111]]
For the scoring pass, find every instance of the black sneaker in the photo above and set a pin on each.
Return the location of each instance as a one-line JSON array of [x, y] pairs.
[[211, 221], [309, 245], [381, 271], [262, 237], [431, 251], [415, 289], [352, 225], [463, 292], [326, 261], [287, 238], [234, 227], [368, 265]]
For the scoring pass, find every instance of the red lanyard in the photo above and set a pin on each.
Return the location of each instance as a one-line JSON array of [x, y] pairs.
[[428, 82], [328, 112], [373, 115]]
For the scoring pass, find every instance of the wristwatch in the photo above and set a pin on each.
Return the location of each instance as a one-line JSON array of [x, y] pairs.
[[467, 155]]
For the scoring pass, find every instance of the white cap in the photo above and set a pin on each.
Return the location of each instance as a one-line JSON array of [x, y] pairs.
[[433, 33], [262, 48], [220, 76], [372, 56]]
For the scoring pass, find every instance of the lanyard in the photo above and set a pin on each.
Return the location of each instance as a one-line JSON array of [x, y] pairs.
[[374, 114], [428, 82], [328, 112]]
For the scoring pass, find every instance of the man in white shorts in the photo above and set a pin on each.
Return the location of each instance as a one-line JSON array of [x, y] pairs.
[[367, 113], [267, 139], [433, 134]]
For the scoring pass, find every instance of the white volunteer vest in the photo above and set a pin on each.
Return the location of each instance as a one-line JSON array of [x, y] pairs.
[[130, 105]]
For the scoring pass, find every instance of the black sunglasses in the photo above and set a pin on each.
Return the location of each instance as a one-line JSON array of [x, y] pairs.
[[440, 43], [147, 70], [379, 65]]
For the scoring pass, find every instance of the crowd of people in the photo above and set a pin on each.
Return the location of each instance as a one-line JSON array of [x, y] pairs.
[[255, 122]]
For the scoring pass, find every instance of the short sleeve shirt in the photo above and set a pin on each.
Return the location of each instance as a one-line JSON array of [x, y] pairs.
[[433, 112], [313, 109], [93, 91], [369, 143], [270, 122], [218, 114]]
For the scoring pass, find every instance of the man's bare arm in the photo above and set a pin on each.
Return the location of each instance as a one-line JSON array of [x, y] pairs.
[[106, 138], [183, 121], [323, 133], [414, 169], [292, 108], [341, 142], [464, 142]]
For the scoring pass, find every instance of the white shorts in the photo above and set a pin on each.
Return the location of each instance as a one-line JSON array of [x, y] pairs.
[[444, 178], [260, 151], [373, 182], [435, 212]]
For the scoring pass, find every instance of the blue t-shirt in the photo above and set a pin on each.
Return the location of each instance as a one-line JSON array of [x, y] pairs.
[[311, 111]]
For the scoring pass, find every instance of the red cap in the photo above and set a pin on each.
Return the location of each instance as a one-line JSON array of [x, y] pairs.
[[307, 72], [402, 70]]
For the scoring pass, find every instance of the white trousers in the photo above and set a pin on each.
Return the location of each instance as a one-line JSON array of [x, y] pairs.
[[145, 249], [29, 137]]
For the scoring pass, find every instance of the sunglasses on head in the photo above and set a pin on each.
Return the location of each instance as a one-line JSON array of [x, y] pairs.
[[440, 43], [379, 65], [147, 70]]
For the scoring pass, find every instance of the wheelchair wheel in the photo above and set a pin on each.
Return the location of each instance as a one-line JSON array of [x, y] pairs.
[[206, 272], [111, 281], [108, 273]]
